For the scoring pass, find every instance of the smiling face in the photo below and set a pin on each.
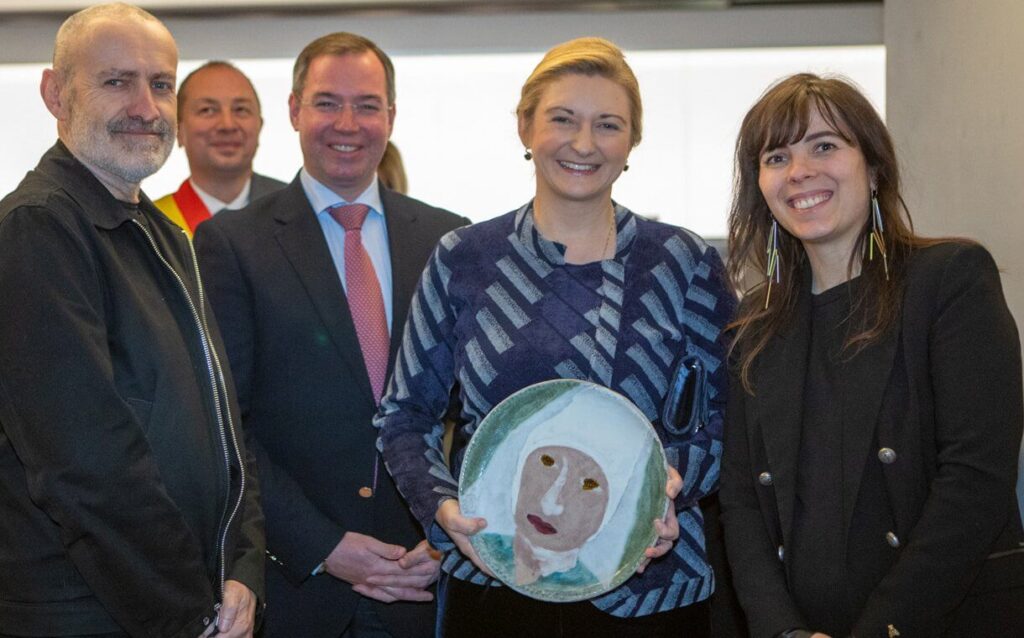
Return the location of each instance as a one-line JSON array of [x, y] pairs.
[[579, 135], [116, 111], [818, 188], [219, 124], [562, 498], [344, 120]]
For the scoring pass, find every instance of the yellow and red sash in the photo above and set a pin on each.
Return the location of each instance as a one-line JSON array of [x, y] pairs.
[[184, 207]]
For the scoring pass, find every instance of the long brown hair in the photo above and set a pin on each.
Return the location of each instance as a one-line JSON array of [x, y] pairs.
[[781, 117]]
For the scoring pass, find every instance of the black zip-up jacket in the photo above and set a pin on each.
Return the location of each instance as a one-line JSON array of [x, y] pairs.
[[127, 496]]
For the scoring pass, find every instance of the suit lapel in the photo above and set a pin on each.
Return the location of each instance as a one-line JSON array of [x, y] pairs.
[[865, 378], [259, 186], [302, 241], [405, 266], [782, 369]]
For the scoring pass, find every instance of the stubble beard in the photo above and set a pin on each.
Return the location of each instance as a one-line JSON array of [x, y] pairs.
[[106, 145]]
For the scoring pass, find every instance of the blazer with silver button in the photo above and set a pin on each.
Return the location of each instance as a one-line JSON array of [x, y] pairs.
[[937, 403]]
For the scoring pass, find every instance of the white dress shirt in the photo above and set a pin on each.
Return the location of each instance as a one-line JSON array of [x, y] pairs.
[[214, 205], [374, 232]]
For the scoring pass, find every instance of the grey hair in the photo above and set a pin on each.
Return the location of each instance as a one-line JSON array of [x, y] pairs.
[[78, 23]]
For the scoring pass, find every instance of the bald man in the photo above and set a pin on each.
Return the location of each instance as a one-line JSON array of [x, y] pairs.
[[128, 505], [219, 124]]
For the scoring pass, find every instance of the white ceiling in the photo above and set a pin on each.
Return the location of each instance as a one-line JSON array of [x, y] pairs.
[[53, 6]]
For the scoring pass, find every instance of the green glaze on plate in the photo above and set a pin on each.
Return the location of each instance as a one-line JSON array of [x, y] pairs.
[[570, 476]]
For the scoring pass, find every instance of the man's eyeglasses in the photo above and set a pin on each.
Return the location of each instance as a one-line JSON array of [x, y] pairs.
[[366, 110]]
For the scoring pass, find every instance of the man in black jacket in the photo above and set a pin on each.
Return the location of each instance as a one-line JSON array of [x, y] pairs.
[[128, 506]]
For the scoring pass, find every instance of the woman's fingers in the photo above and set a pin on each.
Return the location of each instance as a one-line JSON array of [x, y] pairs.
[[675, 483], [460, 528]]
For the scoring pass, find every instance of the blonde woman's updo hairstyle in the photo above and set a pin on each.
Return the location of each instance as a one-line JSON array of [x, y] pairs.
[[583, 56]]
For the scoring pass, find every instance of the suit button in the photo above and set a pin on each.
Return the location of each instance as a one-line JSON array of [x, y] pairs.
[[782, 553], [887, 455], [892, 539], [765, 478]]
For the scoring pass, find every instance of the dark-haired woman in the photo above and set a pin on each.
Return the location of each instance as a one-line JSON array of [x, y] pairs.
[[875, 411]]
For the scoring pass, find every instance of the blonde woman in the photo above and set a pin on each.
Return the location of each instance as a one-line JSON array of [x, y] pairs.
[[570, 285]]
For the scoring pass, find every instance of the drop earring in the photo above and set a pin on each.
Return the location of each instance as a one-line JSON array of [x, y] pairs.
[[625, 168], [876, 241], [772, 271], [527, 155]]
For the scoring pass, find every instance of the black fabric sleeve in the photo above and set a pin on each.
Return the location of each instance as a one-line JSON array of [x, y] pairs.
[[87, 462], [299, 534]]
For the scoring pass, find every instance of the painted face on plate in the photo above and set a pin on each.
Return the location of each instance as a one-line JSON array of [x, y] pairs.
[[563, 495]]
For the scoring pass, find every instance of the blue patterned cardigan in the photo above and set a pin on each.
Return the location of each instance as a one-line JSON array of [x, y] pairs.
[[498, 309]]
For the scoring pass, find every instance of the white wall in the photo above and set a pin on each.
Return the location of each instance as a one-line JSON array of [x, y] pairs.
[[455, 125], [271, 35], [955, 77]]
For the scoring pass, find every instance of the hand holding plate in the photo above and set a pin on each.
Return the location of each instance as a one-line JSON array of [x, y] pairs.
[[460, 528], [667, 527]]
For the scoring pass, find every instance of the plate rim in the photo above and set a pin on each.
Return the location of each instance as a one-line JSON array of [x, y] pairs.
[[625, 571]]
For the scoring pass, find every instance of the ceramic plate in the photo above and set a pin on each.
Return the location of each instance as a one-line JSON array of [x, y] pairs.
[[570, 476]]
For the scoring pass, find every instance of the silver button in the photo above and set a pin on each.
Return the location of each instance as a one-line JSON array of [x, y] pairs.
[[765, 478], [892, 539], [782, 553], [887, 455]]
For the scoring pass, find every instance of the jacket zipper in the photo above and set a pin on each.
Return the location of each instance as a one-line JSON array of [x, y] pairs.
[[222, 406]]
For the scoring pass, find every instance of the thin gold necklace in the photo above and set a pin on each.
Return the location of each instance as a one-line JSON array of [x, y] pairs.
[[608, 237]]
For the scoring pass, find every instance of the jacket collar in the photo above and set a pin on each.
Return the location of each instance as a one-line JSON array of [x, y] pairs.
[[97, 203], [551, 253], [301, 240]]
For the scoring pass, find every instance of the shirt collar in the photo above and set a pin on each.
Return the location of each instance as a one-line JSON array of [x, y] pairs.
[[214, 205], [96, 202], [321, 197]]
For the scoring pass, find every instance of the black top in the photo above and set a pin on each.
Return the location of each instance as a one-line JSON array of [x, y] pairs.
[[820, 562]]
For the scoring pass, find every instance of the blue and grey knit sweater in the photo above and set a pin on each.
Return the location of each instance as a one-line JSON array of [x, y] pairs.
[[498, 309]]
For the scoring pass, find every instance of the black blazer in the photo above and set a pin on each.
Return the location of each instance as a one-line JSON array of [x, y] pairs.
[[942, 394], [261, 185], [305, 395]]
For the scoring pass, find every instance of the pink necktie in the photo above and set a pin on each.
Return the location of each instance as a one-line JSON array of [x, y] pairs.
[[365, 301]]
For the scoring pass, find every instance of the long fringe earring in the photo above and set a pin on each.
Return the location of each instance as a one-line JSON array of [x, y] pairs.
[[876, 241], [773, 271]]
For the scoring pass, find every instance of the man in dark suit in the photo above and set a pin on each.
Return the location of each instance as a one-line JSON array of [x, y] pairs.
[[312, 307], [219, 124]]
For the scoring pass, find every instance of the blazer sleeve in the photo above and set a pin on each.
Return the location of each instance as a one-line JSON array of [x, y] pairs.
[[299, 534], [250, 544], [758, 575], [87, 461], [975, 370]]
